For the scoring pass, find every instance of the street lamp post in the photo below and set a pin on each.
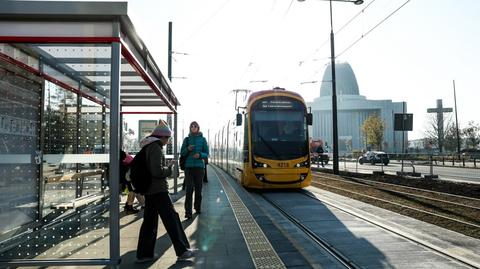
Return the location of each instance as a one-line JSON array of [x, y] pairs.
[[334, 85]]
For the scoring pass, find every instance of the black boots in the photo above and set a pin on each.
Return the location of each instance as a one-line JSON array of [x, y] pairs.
[[129, 209]]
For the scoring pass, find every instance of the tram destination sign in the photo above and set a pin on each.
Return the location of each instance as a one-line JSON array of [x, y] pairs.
[[276, 104]]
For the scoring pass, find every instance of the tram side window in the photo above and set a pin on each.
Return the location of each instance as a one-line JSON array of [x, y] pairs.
[[245, 139]]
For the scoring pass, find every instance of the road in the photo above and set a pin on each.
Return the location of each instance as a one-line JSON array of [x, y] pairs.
[[457, 173]]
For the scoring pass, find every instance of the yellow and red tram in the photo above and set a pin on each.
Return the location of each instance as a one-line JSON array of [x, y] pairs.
[[267, 146]]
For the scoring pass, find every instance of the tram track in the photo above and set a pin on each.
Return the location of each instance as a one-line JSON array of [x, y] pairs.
[[337, 254], [454, 212], [323, 243], [351, 237], [454, 199]]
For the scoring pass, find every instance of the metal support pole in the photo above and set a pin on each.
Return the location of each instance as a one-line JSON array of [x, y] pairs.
[[456, 118], [78, 125], [175, 152], [403, 132], [334, 86], [170, 51], [115, 128], [334, 96], [175, 116], [41, 146]]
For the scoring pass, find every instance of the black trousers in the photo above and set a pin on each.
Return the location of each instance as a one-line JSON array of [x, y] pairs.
[[193, 181], [160, 204]]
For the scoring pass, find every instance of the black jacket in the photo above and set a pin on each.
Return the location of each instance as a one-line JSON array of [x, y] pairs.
[[157, 167]]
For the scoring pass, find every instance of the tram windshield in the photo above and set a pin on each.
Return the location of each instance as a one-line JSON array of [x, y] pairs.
[[279, 129]]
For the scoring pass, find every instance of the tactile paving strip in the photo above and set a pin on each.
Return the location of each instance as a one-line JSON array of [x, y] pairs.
[[261, 251]]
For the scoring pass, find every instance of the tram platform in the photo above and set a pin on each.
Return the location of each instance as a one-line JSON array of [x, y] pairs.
[[214, 233], [237, 230], [222, 232]]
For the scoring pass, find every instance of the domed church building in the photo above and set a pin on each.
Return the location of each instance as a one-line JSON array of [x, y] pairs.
[[352, 110]]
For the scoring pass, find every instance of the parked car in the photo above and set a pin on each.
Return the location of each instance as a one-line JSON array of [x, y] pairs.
[[374, 157], [471, 153]]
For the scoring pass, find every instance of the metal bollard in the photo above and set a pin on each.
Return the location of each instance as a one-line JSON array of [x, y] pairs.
[[356, 166], [382, 163], [431, 165]]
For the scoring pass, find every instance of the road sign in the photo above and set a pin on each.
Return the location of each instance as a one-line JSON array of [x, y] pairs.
[[403, 122]]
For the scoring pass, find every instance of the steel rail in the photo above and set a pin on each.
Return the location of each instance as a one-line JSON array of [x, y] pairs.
[[424, 190], [392, 230], [345, 261], [402, 206], [407, 193]]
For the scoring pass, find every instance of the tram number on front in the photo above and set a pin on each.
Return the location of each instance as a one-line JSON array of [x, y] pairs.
[[282, 165]]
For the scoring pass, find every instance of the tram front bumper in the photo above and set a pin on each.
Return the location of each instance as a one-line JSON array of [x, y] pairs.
[[278, 176]]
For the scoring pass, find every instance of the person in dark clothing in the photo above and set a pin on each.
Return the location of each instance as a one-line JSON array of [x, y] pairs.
[[320, 154], [196, 152], [158, 202], [124, 184]]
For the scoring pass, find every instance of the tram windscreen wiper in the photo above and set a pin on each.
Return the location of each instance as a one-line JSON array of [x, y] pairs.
[[268, 145]]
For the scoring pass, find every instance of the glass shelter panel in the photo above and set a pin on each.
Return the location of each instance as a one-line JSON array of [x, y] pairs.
[[20, 105], [54, 153]]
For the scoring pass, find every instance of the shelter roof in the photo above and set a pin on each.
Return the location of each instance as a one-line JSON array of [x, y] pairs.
[[73, 38]]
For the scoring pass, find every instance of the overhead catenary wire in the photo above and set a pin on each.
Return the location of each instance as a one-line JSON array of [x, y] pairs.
[[373, 28], [354, 17], [327, 41], [254, 64], [209, 18], [363, 35], [288, 9]]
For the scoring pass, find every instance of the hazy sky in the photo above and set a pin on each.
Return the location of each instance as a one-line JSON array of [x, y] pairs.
[[411, 56]]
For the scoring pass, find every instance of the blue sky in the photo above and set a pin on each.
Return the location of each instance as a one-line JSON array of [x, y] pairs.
[[412, 56]]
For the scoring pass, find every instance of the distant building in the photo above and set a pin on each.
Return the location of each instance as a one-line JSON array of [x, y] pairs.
[[352, 110], [422, 145]]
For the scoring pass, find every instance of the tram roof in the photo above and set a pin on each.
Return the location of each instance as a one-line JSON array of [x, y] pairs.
[[277, 90], [73, 35]]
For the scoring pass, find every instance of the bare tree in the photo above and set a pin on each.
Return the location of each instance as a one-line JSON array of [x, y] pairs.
[[472, 135], [450, 141], [450, 136]]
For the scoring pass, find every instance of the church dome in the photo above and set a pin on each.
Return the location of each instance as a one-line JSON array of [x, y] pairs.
[[346, 81]]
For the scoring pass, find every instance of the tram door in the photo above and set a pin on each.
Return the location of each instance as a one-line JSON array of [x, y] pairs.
[[20, 155]]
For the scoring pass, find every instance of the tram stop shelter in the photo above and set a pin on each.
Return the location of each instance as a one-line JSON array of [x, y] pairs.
[[68, 71]]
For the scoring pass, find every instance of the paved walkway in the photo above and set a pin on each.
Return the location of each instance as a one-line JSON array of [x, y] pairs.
[[217, 235], [214, 232]]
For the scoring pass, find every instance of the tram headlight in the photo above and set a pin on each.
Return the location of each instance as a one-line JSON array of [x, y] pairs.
[[303, 164], [259, 164], [260, 177]]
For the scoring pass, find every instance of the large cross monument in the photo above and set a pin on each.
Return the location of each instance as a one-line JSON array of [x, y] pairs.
[[440, 110]]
